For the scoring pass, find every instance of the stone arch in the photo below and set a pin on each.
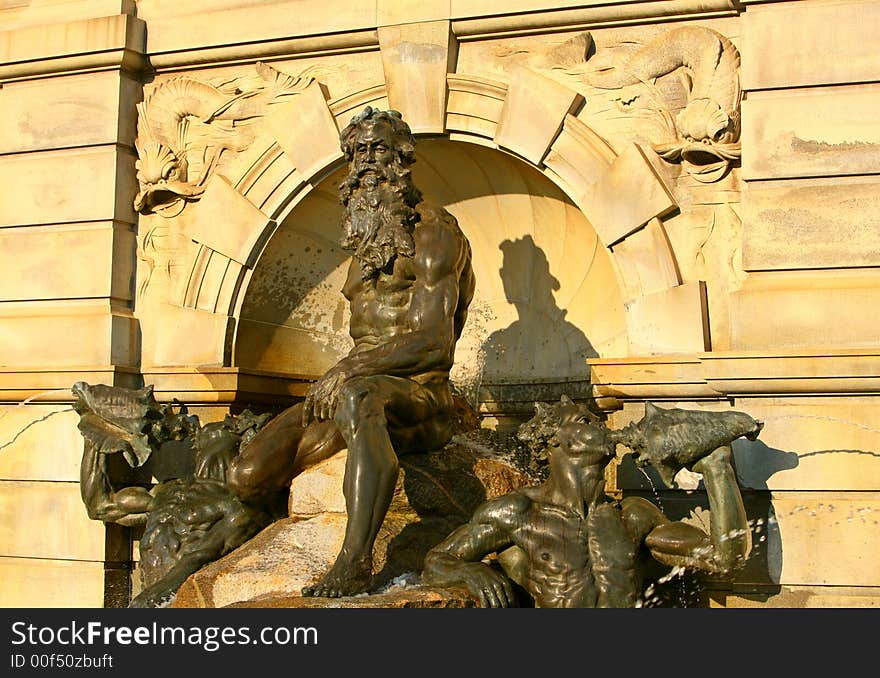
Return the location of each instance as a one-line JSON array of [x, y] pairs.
[[531, 118]]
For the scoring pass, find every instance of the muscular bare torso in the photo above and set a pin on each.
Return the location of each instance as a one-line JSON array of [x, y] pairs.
[[390, 304], [575, 560], [555, 541]]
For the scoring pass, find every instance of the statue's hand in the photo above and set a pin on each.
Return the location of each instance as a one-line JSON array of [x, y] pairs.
[[321, 400], [490, 587], [715, 460]]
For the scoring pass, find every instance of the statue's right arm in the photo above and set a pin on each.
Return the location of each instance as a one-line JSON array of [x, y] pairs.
[[456, 561], [128, 506], [729, 542]]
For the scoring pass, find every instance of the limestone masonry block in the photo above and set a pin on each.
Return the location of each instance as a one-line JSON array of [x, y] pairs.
[[799, 597], [626, 197], [831, 131], [672, 321], [787, 310], [646, 261], [76, 537], [92, 336], [83, 184], [824, 44], [57, 39], [227, 222], [474, 105], [306, 130], [268, 178], [47, 262], [34, 582], [389, 12], [835, 223], [188, 336], [275, 20], [416, 59], [578, 156], [27, 458], [533, 113], [811, 444], [74, 110], [846, 524]]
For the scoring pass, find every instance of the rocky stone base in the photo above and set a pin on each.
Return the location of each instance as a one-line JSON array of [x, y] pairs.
[[435, 494], [410, 597]]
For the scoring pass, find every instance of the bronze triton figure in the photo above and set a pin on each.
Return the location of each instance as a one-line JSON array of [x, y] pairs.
[[190, 518], [569, 546], [409, 285]]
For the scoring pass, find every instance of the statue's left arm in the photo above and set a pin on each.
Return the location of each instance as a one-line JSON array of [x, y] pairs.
[[729, 543]]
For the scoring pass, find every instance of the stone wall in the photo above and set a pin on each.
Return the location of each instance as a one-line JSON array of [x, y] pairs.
[[602, 267]]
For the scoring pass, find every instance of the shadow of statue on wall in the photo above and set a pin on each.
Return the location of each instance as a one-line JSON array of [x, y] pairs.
[[756, 463], [541, 354]]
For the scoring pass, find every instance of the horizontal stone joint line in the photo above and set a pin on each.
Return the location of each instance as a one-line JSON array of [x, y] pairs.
[[813, 86], [755, 180], [75, 147], [51, 560]]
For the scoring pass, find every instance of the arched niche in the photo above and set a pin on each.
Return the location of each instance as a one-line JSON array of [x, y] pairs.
[[261, 301], [547, 295]]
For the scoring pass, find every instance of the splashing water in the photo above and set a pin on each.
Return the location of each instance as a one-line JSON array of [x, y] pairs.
[[677, 571], [653, 488], [682, 593], [29, 400]]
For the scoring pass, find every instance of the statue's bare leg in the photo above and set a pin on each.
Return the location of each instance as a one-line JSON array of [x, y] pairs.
[[370, 409], [281, 450]]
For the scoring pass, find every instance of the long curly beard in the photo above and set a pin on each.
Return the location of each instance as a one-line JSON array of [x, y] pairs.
[[378, 224]]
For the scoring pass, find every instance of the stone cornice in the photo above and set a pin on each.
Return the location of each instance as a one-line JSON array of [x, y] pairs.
[[105, 43], [703, 376], [192, 386], [230, 34], [826, 371], [162, 40]]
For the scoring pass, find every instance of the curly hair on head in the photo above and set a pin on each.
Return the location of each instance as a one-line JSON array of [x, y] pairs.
[[538, 430], [399, 174], [405, 142]]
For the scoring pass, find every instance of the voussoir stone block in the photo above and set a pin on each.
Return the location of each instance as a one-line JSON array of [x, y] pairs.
[[626, 197], [671, 321], [306, 130], [533, 114], [646, 261], [227, 222], [416, 59]]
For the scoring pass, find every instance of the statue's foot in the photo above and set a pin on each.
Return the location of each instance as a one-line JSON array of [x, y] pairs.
[[345, 578]]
